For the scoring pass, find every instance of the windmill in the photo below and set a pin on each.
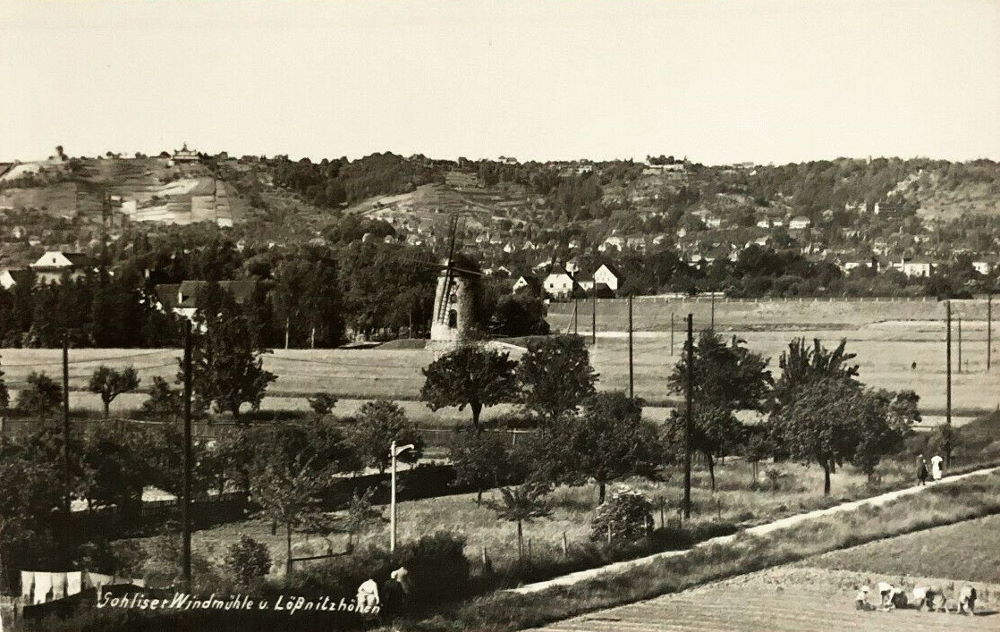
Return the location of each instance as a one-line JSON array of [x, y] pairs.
[[454, 299]]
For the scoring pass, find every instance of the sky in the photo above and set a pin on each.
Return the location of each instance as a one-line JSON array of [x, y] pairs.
[[716, 81]]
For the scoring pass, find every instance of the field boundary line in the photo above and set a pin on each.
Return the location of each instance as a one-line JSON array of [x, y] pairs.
[[763, 529]]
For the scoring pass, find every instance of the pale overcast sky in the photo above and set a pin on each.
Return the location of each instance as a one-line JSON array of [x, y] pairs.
[[717, 81]]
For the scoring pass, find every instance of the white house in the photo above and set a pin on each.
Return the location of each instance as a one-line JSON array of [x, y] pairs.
[[10, 277], [614, 241], [51, 266], [916, 267], [559, 283], [526, 282], [799, 222], [984, 266], [609, 276]]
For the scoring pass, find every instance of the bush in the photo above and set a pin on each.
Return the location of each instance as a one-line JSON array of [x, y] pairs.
[[322, 403], [437, 566], [628, 515], [247, 561]]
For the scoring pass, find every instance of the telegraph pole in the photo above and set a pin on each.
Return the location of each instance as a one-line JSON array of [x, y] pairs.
[[689, 396], [188, 463], [593, 318], [671, 333], [631, 379], [67, 477], [712, 321], [989, 328], [947, 311], [959, 344], [576, 312]]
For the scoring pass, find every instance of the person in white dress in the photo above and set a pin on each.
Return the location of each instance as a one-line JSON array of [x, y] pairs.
[[936, 469]]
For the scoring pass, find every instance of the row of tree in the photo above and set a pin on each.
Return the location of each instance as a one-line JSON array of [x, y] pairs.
[[816, 412]]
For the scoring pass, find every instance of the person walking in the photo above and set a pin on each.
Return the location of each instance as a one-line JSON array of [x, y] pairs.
[[921, 469], [936, 470]]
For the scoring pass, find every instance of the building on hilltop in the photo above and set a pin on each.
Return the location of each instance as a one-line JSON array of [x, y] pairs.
[[185, 155]]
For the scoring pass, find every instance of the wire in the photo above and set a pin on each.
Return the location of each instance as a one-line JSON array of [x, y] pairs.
[[88, 361]]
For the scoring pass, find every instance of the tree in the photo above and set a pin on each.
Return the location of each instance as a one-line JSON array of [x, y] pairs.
[[115, 471], [29, 493], [287, 491], [378, 424], [519, 314], [481, 459], [627, 515], [110, 383], [469, 376], [322, 403], [360, 515], [556, 376], [247, 560], [823, 424], [801, 365], [41, 397], [521, 504], [609, 441], [163, 400], [227, 366], [727, 378], [885, 423]]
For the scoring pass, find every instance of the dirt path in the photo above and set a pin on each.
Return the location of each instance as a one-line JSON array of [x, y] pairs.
[[617, 567]]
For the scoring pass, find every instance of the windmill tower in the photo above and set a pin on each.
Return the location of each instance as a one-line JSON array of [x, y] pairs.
[[453, 319]]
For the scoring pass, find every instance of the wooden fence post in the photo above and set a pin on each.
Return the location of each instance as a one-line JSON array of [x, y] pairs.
[[609, 530], [565, 545]]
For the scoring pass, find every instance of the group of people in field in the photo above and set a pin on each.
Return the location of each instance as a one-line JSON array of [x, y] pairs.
[[924, 598], [934, 471]]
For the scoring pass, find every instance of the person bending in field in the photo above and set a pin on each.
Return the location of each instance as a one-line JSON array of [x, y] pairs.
[[861, 599], [890, 596], [967, 600]]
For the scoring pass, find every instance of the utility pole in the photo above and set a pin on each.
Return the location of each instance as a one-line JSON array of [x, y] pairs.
[[689, 396], [959, 344], [67, 480], [593, 317], [671, 333], [947, 338], [188, 464], [576, 309], [631, 379], [394, 452], [711, 324], [989, 328]]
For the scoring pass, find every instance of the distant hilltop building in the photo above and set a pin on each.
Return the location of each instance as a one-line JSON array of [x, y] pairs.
[[185, 155]]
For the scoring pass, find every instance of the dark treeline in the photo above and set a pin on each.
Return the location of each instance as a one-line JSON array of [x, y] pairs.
[[307, 295]]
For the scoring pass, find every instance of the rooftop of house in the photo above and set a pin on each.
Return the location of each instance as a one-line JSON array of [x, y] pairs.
[[185, 294], [59, 260]]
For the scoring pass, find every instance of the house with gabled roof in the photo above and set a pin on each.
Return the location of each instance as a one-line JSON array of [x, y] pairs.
[[55, 265]]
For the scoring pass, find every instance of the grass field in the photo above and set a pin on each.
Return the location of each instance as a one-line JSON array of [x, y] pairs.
[[775, 600], [653, 313], [800, 490], [886, 353], [961, 552]]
